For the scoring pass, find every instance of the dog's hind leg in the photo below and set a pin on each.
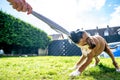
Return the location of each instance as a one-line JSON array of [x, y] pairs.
[[109, 52], [96, 61]]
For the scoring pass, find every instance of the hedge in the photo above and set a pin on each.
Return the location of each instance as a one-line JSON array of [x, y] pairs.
[[15, 32]]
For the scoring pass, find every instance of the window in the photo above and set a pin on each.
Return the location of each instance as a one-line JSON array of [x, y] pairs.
[[96, 33], [106, 33], [118, 31]]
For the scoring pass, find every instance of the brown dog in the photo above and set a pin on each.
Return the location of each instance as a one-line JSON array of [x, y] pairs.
[[91, 47]]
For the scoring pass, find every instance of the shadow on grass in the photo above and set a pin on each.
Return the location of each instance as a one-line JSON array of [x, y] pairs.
[[102, 72]]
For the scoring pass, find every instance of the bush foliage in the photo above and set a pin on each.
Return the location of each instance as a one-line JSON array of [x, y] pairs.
[[15, 33]]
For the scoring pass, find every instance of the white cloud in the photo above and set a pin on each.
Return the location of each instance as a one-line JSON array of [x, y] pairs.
[[87, 13], [71, 14], [115, 17], [99, 4], [88, 5]]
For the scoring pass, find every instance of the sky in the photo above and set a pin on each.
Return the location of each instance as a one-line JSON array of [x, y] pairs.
[[70, 14]]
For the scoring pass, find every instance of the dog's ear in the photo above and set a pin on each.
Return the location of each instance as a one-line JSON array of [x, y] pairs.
[[91, 43]]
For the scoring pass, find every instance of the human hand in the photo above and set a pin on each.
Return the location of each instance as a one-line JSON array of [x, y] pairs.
[[21, 5]]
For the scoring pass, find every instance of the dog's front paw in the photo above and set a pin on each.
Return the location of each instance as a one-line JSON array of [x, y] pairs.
[[117, 70], [75, 73]]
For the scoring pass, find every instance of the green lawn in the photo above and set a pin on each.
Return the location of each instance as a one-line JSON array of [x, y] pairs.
[[53, 68]]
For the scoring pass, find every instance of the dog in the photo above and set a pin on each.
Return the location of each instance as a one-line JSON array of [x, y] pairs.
[[91, 47]]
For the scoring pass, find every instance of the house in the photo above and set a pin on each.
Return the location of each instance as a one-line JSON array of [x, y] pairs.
[[105, 31], [110, 34]]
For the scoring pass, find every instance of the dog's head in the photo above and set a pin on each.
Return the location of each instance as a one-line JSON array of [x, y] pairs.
[[75, 36], [81, 38]]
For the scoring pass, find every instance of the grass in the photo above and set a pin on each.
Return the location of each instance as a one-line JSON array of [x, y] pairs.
[[53, 68]]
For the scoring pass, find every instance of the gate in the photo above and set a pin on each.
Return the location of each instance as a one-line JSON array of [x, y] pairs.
[[63, 48]]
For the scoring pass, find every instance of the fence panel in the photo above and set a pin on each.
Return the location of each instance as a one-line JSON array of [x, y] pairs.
[[63, 48]]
